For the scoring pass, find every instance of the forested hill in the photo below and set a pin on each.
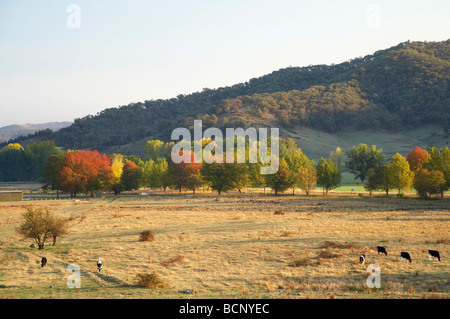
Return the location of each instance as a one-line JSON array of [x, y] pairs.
[[403, 86]]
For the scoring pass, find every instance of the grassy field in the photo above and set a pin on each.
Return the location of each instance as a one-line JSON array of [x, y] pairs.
[[232, 246]]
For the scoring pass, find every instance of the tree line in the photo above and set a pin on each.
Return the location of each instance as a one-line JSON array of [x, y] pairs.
[[88, 171]]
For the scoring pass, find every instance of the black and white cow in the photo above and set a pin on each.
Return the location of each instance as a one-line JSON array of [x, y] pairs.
[[99, 265], [381, 250], [406, 256], [362, 259], [435, 254]]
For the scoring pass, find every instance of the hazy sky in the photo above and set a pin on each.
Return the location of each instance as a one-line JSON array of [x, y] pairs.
[[59, 62]]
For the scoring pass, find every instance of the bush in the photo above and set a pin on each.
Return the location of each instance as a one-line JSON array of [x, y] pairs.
[[146, 235], [150, 281]]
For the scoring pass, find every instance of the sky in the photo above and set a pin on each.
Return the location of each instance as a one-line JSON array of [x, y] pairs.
[[61, 60]]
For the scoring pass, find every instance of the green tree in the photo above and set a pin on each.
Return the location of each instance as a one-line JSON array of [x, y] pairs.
[[51, 173], [361, 158], [132, 176], [440, 161], [337, 156], [281, 180], [154, 148], [37, 155], [307, 178], [221, 177], [296, 161], [328, 175], [399, 174]]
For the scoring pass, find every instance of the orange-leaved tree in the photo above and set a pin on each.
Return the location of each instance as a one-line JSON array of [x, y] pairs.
[[417, 157], [85, 171]]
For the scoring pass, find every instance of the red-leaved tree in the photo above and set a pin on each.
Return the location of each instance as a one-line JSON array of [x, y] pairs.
[[85, 171], [416, 158]]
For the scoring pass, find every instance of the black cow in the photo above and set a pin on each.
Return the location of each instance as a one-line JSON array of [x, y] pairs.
[[435, 254], [381, 250], [43, 262], [99, 265], [405, 255]]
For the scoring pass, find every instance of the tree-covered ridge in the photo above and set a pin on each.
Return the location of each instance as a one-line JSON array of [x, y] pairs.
[[328, 108], [406, 85]]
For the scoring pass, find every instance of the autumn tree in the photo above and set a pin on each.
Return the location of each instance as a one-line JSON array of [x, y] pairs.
[[428, 183], [116, 173], [85, 171], [328, 175], [416, 158]]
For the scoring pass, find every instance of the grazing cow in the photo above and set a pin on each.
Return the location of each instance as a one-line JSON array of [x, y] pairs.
[[405, 255], [381, 250], [43, 262], [362, 259], [435, 254], [99, 265]]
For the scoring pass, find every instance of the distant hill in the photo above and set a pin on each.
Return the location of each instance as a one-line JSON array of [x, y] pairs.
[[393, 90], [16, 130]]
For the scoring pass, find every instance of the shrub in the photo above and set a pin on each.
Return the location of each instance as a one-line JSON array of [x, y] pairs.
[[146, 235], [150, 281]]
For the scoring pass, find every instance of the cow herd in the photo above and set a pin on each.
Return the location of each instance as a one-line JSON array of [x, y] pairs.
[[403, 255]]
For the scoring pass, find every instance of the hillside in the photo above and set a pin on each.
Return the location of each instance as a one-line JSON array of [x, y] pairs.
[[17, 130], [392, 90]]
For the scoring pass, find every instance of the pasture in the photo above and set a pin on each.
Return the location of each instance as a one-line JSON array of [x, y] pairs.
[[234, 245]]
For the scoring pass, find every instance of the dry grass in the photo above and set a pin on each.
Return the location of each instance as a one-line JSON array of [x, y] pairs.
[[233, 246]]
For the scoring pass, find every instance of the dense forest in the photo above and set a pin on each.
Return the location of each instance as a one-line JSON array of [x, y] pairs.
[[403, 86]]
